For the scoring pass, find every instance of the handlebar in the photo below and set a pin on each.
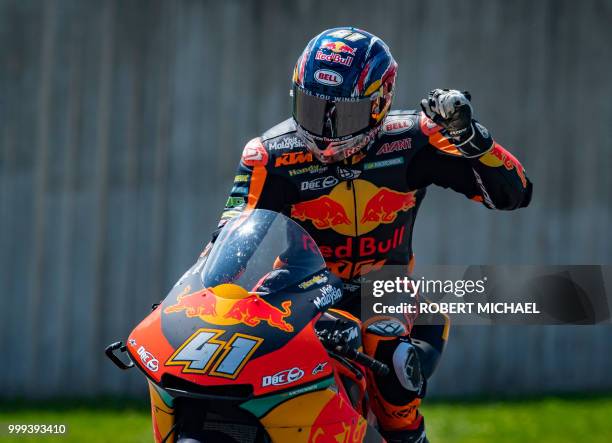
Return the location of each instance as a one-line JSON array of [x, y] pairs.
[[337, 343], [376, 366]]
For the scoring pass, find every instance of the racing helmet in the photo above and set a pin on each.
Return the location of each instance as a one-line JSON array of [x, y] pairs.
[[342, 89]]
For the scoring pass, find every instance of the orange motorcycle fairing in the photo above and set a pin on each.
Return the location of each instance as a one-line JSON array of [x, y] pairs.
[[225, 355], [162, 414]]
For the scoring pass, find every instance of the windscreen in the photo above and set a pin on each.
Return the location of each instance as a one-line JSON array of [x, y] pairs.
[[262, 251]]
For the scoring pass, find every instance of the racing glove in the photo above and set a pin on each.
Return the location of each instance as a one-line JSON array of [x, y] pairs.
[[452, 110]]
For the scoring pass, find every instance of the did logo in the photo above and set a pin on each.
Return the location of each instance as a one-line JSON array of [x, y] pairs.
[[341, 212]]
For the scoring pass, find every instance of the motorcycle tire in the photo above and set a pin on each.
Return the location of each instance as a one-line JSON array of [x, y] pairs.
[[205, 437]]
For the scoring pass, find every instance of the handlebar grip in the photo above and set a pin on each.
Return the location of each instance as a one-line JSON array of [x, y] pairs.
[[376, 366], [344, 350]]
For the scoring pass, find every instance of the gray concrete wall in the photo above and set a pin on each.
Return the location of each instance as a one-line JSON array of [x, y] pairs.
[[121, 123]]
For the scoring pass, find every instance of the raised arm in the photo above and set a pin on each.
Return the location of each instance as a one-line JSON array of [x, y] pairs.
[[463, 156]]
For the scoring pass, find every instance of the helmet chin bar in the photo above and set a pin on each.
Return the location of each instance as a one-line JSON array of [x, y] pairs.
[[336, 150]]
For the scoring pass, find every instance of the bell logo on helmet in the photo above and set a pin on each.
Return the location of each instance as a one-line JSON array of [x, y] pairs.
[[328, 77]]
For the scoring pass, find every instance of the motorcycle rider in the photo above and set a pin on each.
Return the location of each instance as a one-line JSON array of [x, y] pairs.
[[353, 174]]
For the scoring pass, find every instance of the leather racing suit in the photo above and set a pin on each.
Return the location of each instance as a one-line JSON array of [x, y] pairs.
[[361, 212]]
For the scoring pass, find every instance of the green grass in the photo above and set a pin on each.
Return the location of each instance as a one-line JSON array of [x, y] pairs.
[[100, 421], [543, 420]]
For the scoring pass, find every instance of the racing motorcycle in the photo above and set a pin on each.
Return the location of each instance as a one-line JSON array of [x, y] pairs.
[[236, 352]]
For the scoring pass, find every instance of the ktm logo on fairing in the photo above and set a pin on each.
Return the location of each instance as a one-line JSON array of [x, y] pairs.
[[293, 158], [339, 211], [246, 308]]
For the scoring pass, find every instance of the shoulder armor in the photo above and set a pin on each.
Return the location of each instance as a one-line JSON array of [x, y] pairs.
[[397, 132], [403, 112], [399, 122], [282, 141], [283, 128], [284, 147]]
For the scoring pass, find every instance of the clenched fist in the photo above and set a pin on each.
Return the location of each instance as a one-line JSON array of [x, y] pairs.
[[452, 110]]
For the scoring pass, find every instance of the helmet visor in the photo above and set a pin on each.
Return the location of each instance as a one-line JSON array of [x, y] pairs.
[[330, 118]]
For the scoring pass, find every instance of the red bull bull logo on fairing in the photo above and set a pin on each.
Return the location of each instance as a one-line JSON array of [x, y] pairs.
[[340, 211], [230, 304], [195, 304]]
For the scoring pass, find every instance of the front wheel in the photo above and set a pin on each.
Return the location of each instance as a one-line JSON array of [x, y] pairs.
[[197, 423], [204, 437]]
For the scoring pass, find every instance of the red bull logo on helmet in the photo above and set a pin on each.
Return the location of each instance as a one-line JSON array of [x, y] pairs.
[[332, 52], [230, 304], [338, 47], [339, 211]]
